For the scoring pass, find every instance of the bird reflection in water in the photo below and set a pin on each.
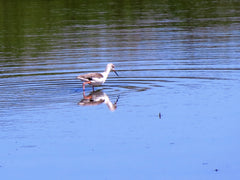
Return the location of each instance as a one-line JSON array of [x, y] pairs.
[[96, 98]]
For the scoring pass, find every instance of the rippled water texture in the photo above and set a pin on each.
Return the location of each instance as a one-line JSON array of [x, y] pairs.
[[173, 112]]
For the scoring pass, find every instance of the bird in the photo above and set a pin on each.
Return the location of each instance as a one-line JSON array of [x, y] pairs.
[[96, 79]]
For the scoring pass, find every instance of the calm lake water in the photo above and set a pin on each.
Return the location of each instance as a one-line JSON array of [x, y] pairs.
[[173, 112]]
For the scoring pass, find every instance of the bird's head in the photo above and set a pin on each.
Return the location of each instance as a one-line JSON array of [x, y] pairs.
[[112, 67]]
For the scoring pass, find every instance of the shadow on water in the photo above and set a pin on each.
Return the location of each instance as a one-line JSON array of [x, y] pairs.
[[96, 98]]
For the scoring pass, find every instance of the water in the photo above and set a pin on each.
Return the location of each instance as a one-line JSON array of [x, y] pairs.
[[176, 114]]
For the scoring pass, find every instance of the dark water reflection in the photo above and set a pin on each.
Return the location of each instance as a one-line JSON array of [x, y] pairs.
[[179, 59]]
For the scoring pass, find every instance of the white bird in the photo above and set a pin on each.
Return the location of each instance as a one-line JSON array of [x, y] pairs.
[[96, 79]]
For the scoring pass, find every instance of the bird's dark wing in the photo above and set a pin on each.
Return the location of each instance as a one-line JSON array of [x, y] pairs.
[[89, 76]]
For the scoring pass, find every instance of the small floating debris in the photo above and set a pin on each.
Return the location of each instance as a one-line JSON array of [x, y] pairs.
[[160, 115], [216, 170]]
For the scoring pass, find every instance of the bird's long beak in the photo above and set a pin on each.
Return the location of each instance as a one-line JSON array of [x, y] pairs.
[[115, 72]]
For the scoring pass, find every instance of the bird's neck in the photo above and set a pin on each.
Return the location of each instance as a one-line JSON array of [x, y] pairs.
[[106, 72]]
